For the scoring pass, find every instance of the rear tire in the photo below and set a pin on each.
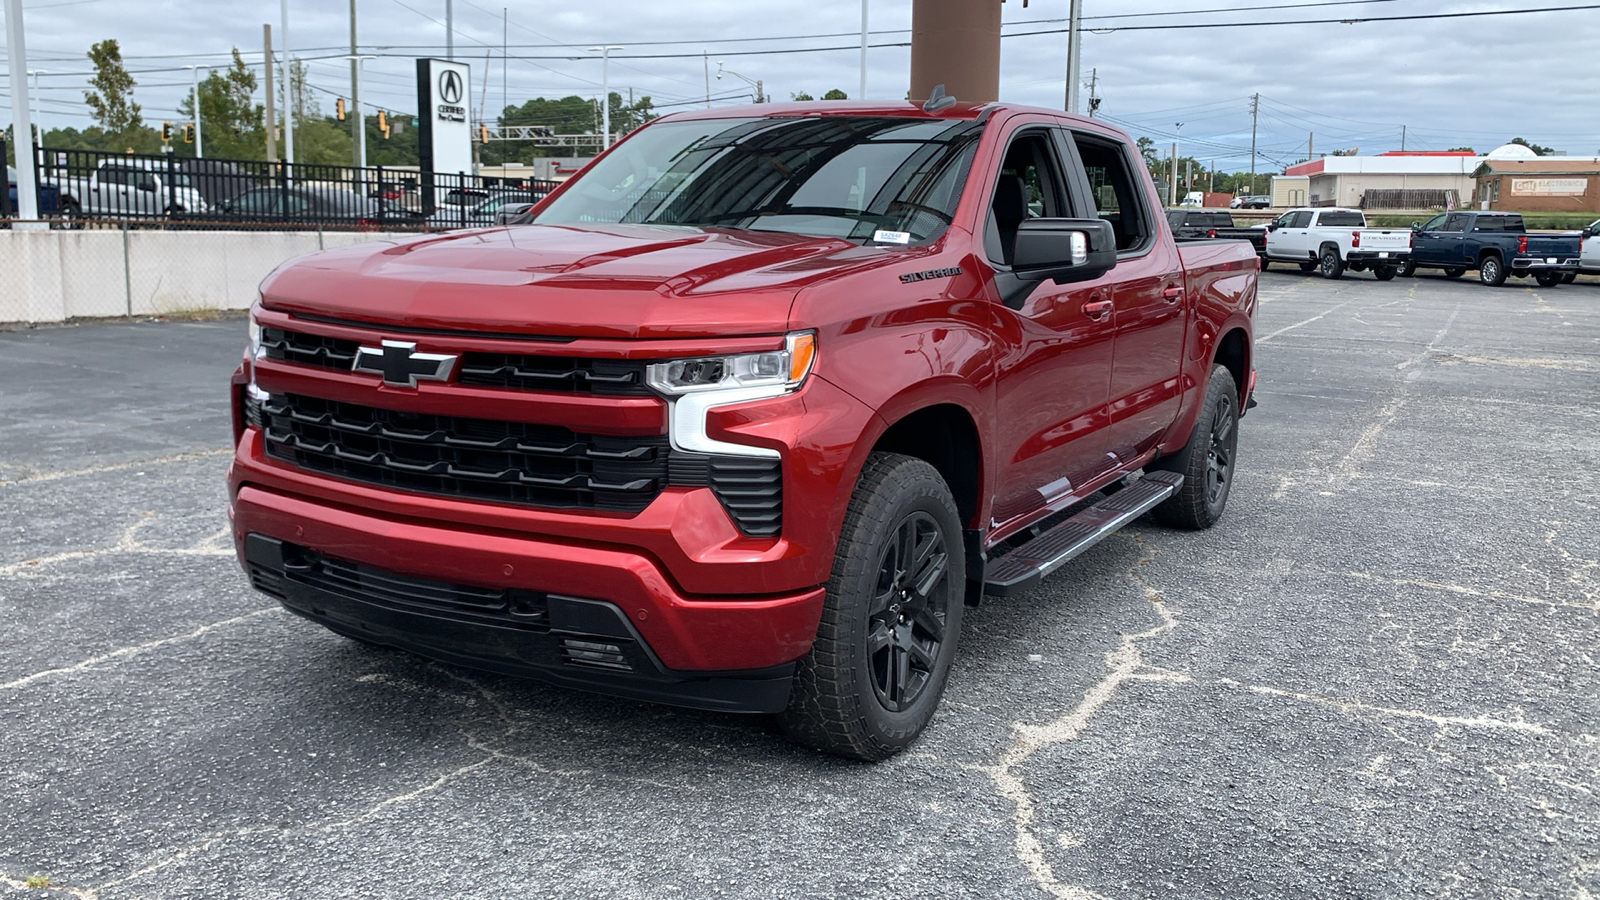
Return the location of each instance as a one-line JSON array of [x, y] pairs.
[[1207, 462], [890, 619], [1569, 278], [1491, 271], [1550, 279], [1332, 265], [1384, 273]]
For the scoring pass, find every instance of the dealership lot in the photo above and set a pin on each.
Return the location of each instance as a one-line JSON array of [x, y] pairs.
[[1377, 677]]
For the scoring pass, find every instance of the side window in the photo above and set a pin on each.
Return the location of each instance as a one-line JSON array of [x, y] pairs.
[[1029, 186], [1114, 190], [1302, 219], [1285, 220], [1456, 222], [1434, 224], [1486, 223]]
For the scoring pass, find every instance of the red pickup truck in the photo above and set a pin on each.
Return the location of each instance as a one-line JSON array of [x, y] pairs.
[[756, 405]]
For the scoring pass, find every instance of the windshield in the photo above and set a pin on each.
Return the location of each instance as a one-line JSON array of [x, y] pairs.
[[835, 176]]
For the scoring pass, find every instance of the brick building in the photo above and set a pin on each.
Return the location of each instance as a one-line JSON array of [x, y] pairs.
[[1544, 184]]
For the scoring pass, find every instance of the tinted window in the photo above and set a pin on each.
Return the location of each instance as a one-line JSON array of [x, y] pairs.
[[1175, 217], [1490, 223], [1113, 191], [1342, 220], [1456, 222], [843, 176], [1301, 219], [1434, 224]]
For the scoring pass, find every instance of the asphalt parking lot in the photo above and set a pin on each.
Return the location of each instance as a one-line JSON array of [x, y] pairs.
[[1376, 678]]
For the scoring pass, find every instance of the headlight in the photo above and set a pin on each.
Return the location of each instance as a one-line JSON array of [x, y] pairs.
[[254, 347], [784, 368], [695, 386]]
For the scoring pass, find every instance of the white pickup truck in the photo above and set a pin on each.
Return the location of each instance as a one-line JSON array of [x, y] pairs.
[[1334, 240], [127, 187]]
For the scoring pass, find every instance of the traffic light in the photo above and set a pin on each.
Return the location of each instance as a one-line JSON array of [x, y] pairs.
[[166, 131], [188, 134], [338, 108], [483, 134], [383, 122]]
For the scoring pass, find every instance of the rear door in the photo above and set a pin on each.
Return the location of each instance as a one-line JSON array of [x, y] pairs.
[[1147, 289]]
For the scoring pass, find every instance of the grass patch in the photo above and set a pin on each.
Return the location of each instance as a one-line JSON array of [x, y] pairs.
[[37, 882]]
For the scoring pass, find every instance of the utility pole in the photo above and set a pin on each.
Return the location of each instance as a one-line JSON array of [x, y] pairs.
[[21, 128], [199, 144], [1402, 139], [862, 94], [266, 48], [605, 92], [1212, 186], [1255, 107], [358, 127], [38, 114], [288, 85], [505, 61], [1311, 140], [1074, 48], [1094, 101], [705, 58], [449, 30], [1172, 190]]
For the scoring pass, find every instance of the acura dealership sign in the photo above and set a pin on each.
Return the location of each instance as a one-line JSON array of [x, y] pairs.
[[444, 126]]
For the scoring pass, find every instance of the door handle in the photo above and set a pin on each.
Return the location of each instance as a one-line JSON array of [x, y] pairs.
[[1097, 310], [1172, 294]]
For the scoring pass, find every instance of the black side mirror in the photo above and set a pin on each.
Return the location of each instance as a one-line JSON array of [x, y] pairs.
[[1416, 226], [1064, 250]]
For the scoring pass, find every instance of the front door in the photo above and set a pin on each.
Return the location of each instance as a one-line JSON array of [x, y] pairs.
[[1051, 386]]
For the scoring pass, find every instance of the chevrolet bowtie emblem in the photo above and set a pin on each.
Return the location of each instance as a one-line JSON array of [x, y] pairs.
[[402, 366]]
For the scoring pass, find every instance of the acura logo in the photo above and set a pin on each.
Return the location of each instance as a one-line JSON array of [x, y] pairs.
[[450, 86], [402, 366]]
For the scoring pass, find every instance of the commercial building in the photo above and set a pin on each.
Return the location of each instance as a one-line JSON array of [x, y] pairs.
[[1398, 180], [1545, 184]]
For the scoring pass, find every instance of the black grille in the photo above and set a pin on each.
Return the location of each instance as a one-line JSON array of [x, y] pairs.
[[510, 462], [308, 349], [559, 374], [749, 487], [504, 606]]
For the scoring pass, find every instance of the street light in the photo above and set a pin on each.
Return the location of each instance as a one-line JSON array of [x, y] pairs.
[[288, 88], [605, 92], [17, 63], [1172, 189], [761, 96], [38, 118], [361, 128], [199, 143]]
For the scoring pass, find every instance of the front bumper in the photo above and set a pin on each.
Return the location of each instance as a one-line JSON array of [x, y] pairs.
[[580, 615]]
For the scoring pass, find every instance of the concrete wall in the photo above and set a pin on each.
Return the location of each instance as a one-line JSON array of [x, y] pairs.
[[52, 276], [1346, 190]]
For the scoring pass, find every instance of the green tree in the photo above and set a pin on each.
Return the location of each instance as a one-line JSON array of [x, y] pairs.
[[1461, 150], [836, 94], [1538, 149], [801, 97], [231, 120], [111, 101], [1147, 150]]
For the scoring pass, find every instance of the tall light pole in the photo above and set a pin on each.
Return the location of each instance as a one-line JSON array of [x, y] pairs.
[[1074, 50], [1172, 189], [605, 92], [359, 62], [199, 143], [27, 182], [449, 31], [288, 84], [761, 96], [863, 93], [38, 116]]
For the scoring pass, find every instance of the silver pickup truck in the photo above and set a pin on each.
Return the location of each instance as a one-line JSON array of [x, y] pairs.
[[131, 187]]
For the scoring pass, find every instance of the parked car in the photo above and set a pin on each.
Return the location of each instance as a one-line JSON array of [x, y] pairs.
[[138, 187], [723, 429], [1334, 240], [1214, 225], [1496, 244], [1253, 201], [493, 211], [49, 195], [1589, 259], [311, 204]]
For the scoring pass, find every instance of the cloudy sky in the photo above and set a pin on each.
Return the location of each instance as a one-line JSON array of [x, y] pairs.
[[1464, 80]]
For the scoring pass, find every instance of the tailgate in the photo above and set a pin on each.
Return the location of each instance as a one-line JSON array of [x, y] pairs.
[[1554, 245], [1382, 239]]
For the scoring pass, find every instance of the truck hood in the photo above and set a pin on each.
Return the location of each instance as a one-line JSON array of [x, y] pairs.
[[629, 281]]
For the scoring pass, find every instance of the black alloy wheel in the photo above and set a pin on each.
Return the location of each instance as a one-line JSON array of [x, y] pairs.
[[1332, 265], [905, 621], [1224, 445], [1207, 461]]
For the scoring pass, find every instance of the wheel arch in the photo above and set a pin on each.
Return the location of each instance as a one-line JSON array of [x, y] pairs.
[[1233, 352], [1330, 245], [944, 435]]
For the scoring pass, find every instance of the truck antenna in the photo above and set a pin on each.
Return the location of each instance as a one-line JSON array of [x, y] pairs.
[[938, 100]]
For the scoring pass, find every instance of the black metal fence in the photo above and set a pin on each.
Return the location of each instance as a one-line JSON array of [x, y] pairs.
[[87, 188], [1395, 198]]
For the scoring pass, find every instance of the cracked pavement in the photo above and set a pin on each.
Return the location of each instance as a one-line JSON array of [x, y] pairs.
[[1375, 678]]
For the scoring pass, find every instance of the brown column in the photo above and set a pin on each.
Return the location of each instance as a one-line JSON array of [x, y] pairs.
[[956, 43]]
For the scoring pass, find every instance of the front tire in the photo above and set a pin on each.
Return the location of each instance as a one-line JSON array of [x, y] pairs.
[[1454, 273], [1332, 265], [890, 619], [1408, 269], [1208, 461], [1307, 266], [1569, 278], [1491, 271]]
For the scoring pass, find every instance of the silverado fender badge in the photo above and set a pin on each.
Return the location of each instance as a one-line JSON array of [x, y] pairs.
[[913, 277], [401, 365]]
